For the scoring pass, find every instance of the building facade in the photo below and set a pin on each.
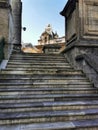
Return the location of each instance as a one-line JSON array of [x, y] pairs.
[[49, 37]]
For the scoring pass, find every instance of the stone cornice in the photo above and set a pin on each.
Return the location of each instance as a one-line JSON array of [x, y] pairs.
[[69, 7]]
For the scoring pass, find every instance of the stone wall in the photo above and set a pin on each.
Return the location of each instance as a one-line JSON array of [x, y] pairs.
[[4, 20], [10, 24]]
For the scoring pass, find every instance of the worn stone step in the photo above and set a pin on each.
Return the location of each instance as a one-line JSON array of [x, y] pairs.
[[8, 86], [56, 82], [42, 81], [36, 62], [46, 97], [41, 63], [44, 71], [38, 67], [41, 77], [36, 89], [48, 106], [29, 91], [47, 116], [37, 58], [35, 54], [68, 125]]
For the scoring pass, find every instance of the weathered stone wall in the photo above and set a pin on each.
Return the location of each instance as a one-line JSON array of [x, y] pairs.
[[4, 25], [4, 20], [10, 24]]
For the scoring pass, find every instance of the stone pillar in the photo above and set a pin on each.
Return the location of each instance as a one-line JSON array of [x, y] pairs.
[[81, 24], [17, 18], [81, 27], [4, 10], [4, 26]]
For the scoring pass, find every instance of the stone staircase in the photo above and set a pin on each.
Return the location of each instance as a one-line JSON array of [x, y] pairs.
[[43, 92]]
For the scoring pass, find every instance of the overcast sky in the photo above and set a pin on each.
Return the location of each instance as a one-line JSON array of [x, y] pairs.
[[37, 14]]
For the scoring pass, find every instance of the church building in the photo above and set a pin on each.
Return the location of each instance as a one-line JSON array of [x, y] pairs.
[[48, 36]]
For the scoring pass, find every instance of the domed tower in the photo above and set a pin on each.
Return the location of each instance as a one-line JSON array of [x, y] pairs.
[[48, 29]]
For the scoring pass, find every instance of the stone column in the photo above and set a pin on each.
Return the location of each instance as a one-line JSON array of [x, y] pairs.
[[17, 18], [4, 27], [4, 10], [81, 24]]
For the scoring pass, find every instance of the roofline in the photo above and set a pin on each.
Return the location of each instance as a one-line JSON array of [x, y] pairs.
[[69, 4]]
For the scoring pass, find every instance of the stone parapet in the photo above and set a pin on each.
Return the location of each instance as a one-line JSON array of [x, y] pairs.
[[51, 48]]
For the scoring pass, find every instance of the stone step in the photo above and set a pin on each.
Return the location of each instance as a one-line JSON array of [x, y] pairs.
[[46, 86], [35, 54], [36, 64], [41, 71], [37, 80], [47, 116], [56, 82], [68, 125], [37, 67], [37, 58], [40, 59], [48, 106], [41, 77], [32, 91], [46, 97], [44, 89]]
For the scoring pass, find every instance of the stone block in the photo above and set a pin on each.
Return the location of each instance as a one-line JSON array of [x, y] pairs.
[[51, 48]]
